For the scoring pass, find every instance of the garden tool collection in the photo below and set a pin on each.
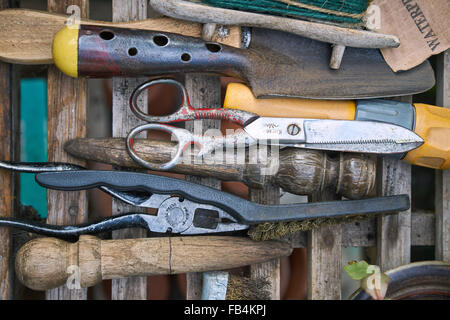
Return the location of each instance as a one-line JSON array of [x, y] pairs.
[[319, 134], [267, 14], [275, 63], [43, 263], [431, 123], [298, 171], [187, 208], [324, 144]]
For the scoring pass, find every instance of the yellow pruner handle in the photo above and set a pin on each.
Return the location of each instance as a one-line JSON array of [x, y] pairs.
[[239, 96], [433, 125]]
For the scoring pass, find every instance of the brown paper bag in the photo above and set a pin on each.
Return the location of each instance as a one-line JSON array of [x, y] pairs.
[[423, 27]]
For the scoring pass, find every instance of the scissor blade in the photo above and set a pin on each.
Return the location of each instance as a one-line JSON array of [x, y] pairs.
[[335, 135]]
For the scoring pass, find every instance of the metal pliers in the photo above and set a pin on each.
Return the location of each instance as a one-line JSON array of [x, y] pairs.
[[184, 208]]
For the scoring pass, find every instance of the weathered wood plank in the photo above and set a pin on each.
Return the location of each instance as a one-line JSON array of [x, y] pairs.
[[269, 270], [66, 120], [5, 176], [423, 228], [442, 199], [359, 233], [394, 231], [324, 258], [203, 91], [124, 120]]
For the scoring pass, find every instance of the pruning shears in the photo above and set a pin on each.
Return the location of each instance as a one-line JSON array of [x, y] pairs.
[[322, 134]]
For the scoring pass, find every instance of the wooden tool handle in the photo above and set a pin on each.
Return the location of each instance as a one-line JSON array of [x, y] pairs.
[[189, 10], [26, 35], [46, 263], [299, 171]]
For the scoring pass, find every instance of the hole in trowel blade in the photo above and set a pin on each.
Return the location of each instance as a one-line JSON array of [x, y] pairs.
[[186, 57], [213, 47], [106, 35], [132, 51], [160, 40]]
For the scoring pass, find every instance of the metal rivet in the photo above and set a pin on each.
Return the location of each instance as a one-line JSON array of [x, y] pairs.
[[293, 129]]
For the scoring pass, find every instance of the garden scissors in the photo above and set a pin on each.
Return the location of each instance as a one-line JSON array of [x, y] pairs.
[[321, 134]]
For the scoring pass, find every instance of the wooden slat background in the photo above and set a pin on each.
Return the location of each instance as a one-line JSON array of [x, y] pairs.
[[324, 257], [270, 269], [6, 178], [67, 102], [204, 92], [442, 200], [394, 231], [393, 236], [123, 121]]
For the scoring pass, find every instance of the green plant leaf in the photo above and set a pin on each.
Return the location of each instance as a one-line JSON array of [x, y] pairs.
[[357, 270]]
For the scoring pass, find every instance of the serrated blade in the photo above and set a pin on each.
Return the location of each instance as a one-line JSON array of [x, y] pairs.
[[335, 135]]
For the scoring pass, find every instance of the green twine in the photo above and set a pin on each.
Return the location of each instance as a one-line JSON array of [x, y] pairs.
[[340, 11]]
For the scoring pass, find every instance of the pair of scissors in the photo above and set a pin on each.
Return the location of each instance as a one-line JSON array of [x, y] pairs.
[[321, 134]]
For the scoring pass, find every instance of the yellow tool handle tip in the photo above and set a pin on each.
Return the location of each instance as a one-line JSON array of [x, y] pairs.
[[65, 50]]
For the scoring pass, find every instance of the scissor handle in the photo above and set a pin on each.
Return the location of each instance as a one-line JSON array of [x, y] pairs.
[[206, 143], [183, 137], [183, 113]]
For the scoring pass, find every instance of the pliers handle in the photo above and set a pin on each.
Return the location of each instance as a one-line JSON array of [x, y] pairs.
[[245, 212]]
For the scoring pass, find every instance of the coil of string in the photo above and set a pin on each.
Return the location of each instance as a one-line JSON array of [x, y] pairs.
[[336, 11]]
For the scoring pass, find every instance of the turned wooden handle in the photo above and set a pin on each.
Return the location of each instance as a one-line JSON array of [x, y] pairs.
[[299, 171], [26, 35], [46, 263]]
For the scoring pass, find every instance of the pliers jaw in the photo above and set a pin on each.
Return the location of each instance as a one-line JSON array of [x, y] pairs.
[[181, 216]]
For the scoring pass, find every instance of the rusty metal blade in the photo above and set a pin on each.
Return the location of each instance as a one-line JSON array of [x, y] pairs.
[[284, 64], [276, 63]]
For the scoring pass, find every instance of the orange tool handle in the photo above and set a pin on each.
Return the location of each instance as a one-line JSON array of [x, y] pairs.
[[239, 96], [431, 123]]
